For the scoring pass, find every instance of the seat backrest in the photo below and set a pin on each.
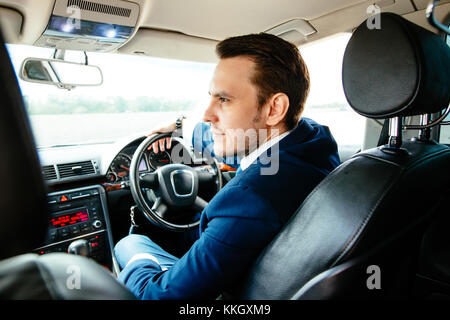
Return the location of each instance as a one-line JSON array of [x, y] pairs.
[[23, 205], [378, 195]]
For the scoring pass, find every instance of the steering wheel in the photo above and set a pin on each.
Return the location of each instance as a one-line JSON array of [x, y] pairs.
[[174, 186]]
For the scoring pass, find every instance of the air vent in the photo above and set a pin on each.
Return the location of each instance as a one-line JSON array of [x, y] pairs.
[[48, 172], [75, 169], [99, 7]]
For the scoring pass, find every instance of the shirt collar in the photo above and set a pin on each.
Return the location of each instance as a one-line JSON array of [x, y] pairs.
[[251, 158]]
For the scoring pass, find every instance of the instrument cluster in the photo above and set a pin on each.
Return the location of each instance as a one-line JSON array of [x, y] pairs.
[[119, 169]]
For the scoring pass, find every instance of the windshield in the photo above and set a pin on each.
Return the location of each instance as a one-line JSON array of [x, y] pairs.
[[138, 94], [141, 93]]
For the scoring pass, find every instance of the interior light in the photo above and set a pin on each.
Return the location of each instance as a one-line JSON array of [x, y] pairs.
[[67, 27], [111, 33]]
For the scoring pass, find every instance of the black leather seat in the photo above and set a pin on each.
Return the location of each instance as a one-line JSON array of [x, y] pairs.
[[373, 209], [24, 216]]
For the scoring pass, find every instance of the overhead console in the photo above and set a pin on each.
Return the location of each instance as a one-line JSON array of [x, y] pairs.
[[94, 25]]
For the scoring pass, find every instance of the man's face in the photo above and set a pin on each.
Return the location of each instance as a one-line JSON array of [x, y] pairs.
[[233, 111]]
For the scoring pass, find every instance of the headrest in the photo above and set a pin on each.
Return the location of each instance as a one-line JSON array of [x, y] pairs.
[[399, 69], [23, 207]]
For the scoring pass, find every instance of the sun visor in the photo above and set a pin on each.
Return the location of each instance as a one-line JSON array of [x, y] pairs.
[[98, 25], [11, 24]]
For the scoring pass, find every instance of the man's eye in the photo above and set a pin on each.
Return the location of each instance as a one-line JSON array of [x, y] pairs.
[[222, 99]]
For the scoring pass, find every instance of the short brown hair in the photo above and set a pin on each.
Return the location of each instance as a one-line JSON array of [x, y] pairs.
[[279, 68]]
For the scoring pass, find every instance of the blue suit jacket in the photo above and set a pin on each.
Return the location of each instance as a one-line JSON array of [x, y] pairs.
[[241, 219]]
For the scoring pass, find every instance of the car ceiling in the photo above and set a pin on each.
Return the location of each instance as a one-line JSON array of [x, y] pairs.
[[189, 30], [233, 17]]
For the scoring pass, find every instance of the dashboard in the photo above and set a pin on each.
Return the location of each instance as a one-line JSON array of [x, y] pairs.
[[105, 162], [88, 192]]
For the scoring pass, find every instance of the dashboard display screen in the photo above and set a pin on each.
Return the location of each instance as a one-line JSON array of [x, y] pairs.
[[69, 219]]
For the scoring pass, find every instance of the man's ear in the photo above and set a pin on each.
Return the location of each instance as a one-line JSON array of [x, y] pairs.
[[278, 107]]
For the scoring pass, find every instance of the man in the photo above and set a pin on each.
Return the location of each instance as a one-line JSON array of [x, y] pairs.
[[258, 92]]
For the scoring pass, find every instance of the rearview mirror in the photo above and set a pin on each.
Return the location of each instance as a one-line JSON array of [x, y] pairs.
[[63, 74]]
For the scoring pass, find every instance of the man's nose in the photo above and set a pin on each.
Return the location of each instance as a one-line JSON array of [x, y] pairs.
[[210, 114]]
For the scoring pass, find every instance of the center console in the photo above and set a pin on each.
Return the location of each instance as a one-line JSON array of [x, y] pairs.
[[80, 214]]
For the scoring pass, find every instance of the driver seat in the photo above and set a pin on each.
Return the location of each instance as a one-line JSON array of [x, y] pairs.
[[25, 218], [358, 234]]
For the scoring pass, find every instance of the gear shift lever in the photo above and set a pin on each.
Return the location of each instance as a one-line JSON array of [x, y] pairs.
[[79, 247]]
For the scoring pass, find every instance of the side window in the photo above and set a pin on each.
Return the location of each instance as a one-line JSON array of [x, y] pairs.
[[326, 102], [445, 130], [448, 37]]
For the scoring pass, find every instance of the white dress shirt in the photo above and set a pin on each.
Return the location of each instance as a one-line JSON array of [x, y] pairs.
[[251, 158]]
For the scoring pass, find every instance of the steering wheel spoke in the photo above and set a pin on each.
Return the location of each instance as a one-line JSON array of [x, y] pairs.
[[199, 204], [206, 174], [148, 180], [160, 208]]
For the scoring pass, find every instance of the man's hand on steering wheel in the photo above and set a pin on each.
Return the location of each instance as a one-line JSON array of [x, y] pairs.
[[165, 143]]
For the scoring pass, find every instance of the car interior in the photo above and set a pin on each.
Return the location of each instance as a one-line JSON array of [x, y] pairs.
[[65, 205]]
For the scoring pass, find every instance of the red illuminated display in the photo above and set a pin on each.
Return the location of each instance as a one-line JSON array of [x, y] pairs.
[[69, 219]]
